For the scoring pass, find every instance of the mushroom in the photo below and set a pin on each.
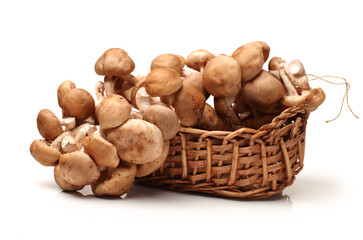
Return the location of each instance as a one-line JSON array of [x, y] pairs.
[[140, 99], [318, 99], [49, 125], [164, 118], [263, 92], [78, 168], [44, 153], [198, 59], [116, 183], [101, 151], [224, 109], [113, 62], [137, 141], [168, 60], [274, 66], [162, 81], [222, 77], [78, 103], [62, 183], [251, 58], [147, 168], [112, 111], [182, 61], [211, 121], [296, 72], [63, 89], [69, 123]]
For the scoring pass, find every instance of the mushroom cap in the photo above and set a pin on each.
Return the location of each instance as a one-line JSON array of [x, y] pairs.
[[43, 153], [101, 151], [63, 184], [164, 118], [147, 168], [116, 183], [114, 62], [63, 89], [162, 81], [137, 141], [290, 101], [78, 103], [211, 121], [264, 90], [182, 61], [188, 104], [196, 79], [222, 76], [78, 168], [168, 60], [49, 125], [198, 59], [112, 111], [275, 62], [318, 99], [251, 58]]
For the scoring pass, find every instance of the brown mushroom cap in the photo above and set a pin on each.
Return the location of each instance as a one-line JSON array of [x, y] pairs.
[[112, 111], [137, 141], [211, 121], [43, 153], [116, 183], [275, 62], [318, 99], [147, 168], [164, 118], [101, 151], [162, 81], [78, 103], [196, 79], [63, 89], [78, 168], [63, 184], [222, 76], [114, 62], [182, 61], [198, 59], [264, 90], [49, 125], [168, 60], [251, 58]]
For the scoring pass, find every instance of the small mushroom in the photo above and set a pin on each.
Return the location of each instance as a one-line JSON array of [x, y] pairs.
[[78, 168], [63, 89], [222, 76], [101, 151], [112, 111], [296, 72], [318, 99], [211, 121], [162, 81], [224, 109], [62, 183], [116, 183], [78, 103], [73, 141], [164, 118], [49, 125], [68, 122], [251, 58], [44, 153], [137, 141], [147, 168], [198, 59], [168, 60]]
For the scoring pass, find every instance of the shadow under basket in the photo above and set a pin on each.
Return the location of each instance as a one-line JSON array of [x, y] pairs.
[[246, 163]]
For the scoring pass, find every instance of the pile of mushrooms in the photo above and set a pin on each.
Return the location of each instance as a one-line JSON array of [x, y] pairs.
[[125, 131]]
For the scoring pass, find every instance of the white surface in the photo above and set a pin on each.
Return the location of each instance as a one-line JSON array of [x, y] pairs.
[[44, 43]]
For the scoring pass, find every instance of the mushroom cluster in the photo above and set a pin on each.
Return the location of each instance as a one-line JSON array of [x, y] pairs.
[[125, 131]]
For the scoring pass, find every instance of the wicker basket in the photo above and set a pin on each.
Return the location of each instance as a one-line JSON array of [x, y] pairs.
[[246, 163]]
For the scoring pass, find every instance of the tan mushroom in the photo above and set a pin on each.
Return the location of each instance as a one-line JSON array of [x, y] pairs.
[[168, 60], [224, 109], [62, 183], [63, 89], [137, 141], [164, 118], [211, 121], [251, 58], [116, 183], [49, 125], [71, 141], [318, 99], [78, 168], [198, 59], [78, 103], [112, 111], [162, 81], [182, 61], [101, 151], [147, 168], [222, 77], [44, 153]]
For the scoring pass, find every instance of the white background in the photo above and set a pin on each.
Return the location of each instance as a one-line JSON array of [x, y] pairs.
[[45, 43]]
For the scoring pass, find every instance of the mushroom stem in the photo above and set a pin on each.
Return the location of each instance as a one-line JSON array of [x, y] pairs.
[[100, 91], [109, 84], [291, 91], [296, 72], [68, 122]]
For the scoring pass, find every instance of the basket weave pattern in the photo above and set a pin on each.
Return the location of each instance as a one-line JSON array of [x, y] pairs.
[[246, 163]]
